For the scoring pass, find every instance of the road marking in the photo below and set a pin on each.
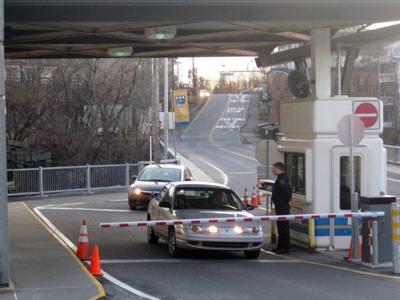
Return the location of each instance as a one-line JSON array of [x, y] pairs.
[[55, 233], [304, 261], [118, 200], [225, 177], [127, 287], [76, 203], [86, 209], [239, 154], [215, 126], [66, 242], [238, 173], [142, 261], [394, 180]]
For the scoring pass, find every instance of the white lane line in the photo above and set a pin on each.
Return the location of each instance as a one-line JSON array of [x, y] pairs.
[[225, 177], [128, 287], [210, 136], [63, 204], [394, 180], [239, 173], [142, 261], [118, 200], [86, 209], [239, 154], [63, 239]]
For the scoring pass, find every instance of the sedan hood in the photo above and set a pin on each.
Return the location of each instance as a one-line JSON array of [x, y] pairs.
[[149, 185], [203, 214]]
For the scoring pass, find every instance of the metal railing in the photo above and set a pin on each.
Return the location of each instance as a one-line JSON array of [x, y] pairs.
[[393, 154], [88, 178], [41, 181]]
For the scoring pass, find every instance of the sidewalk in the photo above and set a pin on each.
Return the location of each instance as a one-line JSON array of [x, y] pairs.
[[40, 266]]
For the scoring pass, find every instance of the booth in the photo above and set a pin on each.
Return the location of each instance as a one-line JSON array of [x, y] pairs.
[[317, 163]]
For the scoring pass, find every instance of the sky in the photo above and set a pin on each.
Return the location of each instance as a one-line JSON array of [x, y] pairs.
[[210, 67]]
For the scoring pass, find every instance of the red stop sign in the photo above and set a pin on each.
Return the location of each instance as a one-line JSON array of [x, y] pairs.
[[368, 114]]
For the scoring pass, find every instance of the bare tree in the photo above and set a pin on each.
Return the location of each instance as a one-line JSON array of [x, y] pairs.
[[88, 111], [27, 97]]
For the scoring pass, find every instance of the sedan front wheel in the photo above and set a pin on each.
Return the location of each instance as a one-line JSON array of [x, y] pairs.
[[252, 254], [173, 249]]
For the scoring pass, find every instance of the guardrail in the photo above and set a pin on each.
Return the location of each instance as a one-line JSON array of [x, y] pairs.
[[88, 178], [41, 181], [393, 154]]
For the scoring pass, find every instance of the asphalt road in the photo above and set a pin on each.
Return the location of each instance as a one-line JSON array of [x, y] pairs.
[[393, 180], [212, 142], [147, 270]]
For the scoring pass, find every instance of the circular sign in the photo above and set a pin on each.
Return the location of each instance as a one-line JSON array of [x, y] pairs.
[[368, 114], [350, 138], [180, 101]]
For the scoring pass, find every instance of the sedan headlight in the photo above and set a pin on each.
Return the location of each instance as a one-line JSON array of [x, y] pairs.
[[238, 229], [252, 230], [137, 191], [247, 230], [201, 228]]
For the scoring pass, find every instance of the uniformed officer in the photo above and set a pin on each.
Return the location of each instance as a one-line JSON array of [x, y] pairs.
[[281, 197]]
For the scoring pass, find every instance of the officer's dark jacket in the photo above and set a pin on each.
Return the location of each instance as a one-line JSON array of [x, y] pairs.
[[281, 192]]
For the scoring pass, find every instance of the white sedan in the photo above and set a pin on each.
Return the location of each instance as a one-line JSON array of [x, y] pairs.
[[198, 200]]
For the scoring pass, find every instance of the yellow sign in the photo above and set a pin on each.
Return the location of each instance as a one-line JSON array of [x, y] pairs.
[[181, 107]]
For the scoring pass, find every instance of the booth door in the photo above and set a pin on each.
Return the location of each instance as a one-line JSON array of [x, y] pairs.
[[340, 198]]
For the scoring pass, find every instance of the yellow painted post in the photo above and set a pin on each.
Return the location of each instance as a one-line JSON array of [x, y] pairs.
[[396, 237], [311, 235]]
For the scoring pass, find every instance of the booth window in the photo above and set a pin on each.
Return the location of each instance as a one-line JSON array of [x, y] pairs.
[[345, 200], [295, 170]]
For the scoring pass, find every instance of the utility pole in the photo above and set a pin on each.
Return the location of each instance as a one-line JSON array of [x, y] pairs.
[[166, 114], [194, 76], [4, 259], [155, 128]]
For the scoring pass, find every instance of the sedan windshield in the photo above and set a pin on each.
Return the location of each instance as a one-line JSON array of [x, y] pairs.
[[160, 174], [204, 198]]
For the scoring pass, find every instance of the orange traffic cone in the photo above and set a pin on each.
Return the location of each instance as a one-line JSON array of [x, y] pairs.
[[350, 252], [95, 268], [254, 200], [83, 244], [245, 197]]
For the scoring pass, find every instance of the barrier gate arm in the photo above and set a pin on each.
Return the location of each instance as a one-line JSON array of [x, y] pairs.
[[243, 219]]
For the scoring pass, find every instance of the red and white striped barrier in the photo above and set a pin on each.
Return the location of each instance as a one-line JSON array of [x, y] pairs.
[[242, 219]]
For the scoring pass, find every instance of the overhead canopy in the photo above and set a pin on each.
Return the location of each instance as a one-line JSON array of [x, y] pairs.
[[90, 28]]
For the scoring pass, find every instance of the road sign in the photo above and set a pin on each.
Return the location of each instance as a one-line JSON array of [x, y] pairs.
[[344, 133], [368, 112]]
